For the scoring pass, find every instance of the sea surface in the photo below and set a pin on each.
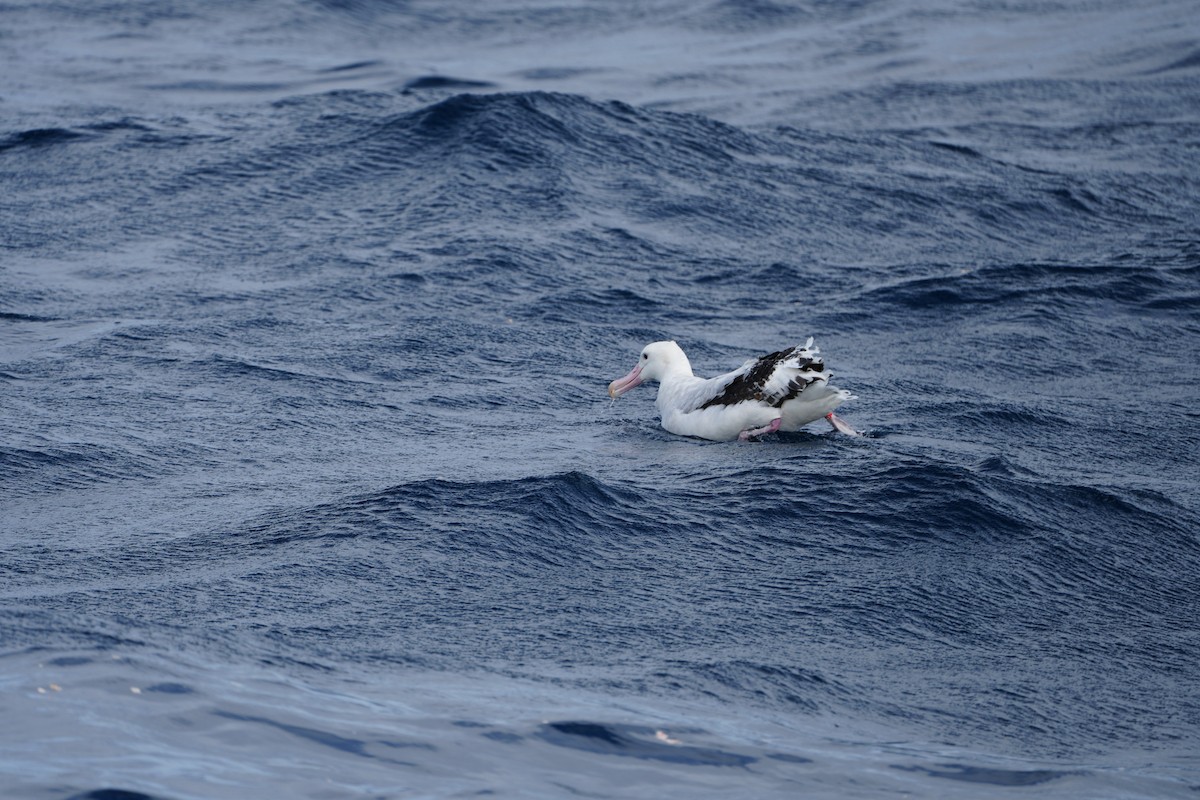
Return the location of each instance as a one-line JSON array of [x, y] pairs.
[[310, 486]]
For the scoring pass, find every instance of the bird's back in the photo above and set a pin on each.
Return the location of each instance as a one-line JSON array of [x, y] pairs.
[[773, 379]]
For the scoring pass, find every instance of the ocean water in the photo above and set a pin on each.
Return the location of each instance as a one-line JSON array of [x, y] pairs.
[[310, 486]]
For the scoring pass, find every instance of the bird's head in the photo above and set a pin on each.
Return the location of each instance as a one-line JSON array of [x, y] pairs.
[[657, 360]]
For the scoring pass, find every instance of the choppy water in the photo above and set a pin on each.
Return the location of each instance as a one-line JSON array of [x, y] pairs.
[[309, 485]]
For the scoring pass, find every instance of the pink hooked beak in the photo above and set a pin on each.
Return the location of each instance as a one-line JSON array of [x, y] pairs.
[[622, 385]]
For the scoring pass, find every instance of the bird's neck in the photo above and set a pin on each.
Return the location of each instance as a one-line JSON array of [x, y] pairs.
[[678, 367], [673, 387]]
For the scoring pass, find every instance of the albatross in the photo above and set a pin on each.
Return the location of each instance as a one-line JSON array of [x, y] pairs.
[[781, 391]]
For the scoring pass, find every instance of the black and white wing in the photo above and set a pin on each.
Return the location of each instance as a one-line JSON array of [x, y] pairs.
[[772, 379]]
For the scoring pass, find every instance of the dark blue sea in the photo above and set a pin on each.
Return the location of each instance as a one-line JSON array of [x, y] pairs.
[[310, 486]]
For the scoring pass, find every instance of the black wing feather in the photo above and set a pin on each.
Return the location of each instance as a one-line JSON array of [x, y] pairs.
[[751, 385]]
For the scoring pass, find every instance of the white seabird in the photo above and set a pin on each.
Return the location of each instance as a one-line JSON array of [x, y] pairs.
[[783, 391]]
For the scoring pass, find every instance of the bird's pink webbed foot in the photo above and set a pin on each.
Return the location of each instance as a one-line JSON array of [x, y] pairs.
[[840, 424], [774, 426]]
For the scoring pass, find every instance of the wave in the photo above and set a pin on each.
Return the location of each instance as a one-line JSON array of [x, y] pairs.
[[30, 470], [1043, 292], [41, 137], [533, 517], [636, 741], [407, 172]]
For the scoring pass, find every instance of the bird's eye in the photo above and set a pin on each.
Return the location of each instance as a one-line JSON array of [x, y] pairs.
[[644, 356]]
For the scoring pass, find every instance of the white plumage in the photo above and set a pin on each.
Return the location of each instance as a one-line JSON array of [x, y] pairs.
[[782, 391]]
